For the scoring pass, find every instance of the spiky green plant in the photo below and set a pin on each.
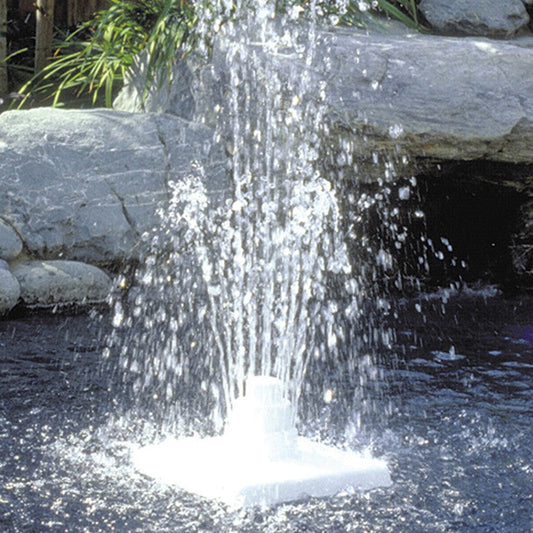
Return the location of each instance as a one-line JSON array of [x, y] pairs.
[[95, 58], [403, 10]]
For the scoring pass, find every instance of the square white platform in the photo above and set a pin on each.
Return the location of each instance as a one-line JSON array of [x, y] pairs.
[[208, 467]]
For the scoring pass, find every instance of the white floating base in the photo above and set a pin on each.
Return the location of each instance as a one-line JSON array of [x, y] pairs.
[[212, 468], [260, 460]]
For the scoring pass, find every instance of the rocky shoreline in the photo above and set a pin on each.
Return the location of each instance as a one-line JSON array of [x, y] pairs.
[[80, 188]]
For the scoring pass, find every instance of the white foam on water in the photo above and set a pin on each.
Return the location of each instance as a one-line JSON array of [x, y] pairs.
[[209, 468], [259, 460]]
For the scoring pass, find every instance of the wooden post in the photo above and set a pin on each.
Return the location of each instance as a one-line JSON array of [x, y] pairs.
[[3, 47], [44, 32]]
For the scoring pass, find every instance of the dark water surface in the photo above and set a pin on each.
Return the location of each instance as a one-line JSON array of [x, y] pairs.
[[458, 436]]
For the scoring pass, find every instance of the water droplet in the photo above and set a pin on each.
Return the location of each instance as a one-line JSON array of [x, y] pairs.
[[328, 396], [396, 131], [404, 193]]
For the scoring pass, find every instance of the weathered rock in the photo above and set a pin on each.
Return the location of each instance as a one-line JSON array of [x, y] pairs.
[[490, 18], [427, 96], [10, 243], [9, 289], [178, 100], [196, 91], [85, 185], [435, 97], [49, 283]]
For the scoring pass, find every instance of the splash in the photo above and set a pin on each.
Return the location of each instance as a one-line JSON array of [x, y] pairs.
[[250, 285]]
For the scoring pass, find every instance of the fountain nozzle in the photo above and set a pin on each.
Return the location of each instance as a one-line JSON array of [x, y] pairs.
[[261, 422]]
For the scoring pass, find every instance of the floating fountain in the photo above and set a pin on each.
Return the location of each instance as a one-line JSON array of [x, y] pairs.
[[236, 306], [259, 460]]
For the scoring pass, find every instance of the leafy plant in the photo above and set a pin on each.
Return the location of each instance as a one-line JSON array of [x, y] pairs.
[[95, 58]]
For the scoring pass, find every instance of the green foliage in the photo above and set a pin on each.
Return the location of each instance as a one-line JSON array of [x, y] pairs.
[[358, 13], [403, 10], [95, 58]]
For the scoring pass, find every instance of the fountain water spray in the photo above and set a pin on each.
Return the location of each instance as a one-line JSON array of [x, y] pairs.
[[239, 294], [259, 460]]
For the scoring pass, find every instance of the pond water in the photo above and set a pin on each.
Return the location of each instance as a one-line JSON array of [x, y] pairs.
[[452, 417]]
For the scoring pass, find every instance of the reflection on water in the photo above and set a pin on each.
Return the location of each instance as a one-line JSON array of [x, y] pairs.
[[456, 431]]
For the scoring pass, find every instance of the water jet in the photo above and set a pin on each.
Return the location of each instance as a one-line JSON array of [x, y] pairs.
[[238, 300], [260, 459]]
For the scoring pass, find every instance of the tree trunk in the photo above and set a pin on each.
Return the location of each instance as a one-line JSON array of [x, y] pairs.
[[3, 47], [44, 31]]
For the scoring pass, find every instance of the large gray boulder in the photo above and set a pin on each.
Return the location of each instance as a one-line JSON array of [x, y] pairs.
[[426, 96], [9, 289], [10, 243], [434, 97], [85, 185], [178, 98], [490, 18], [51, 283]]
